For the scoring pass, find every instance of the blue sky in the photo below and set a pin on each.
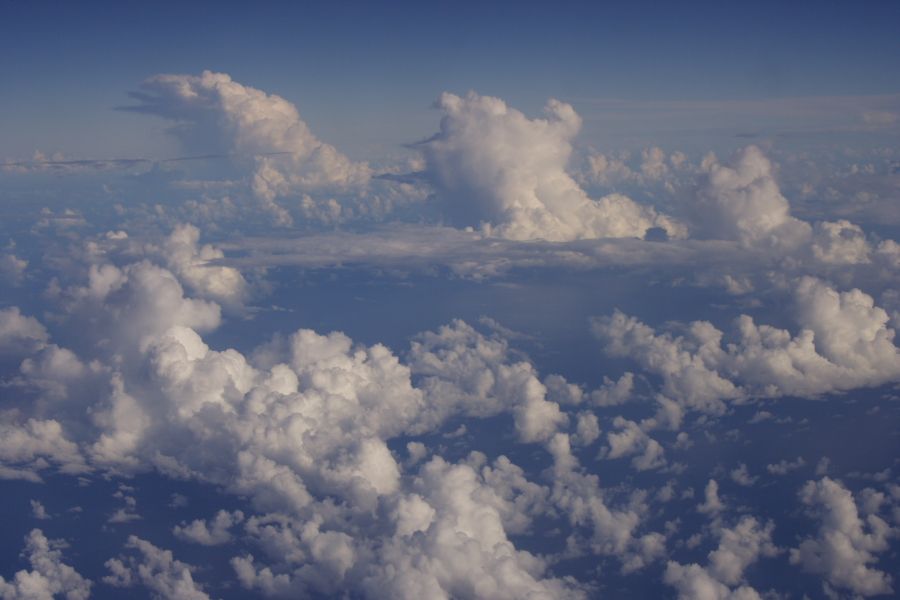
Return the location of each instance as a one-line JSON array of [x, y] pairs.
[[365, 73], [474, 301]]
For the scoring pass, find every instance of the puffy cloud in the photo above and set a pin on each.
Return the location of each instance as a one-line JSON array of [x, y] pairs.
[[49, 576], [20, 335], [12, 268], [267, 129], [783, 467], [741, 476], [446, 535], [844, 342], [612, 531], [693, 582], [156, 569], [739, 547], [217, 532], [190, 263], [140, 301], [467, 372], [462, 550], [38, 511], [496, 169], [680, 361], [742, 202], [712, 505], [840, 242], [846, 544], [29, 447], [630, 440]]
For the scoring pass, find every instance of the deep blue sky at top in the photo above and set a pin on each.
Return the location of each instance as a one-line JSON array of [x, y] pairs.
[[367, 71]]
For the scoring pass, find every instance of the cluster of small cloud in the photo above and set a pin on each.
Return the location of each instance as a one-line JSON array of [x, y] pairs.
[[304, 418], [155, 569], [845, 342], [49, 577], [305, 425], [723, 578]]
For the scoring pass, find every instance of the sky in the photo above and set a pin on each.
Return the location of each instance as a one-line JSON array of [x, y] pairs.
[[472, 300]]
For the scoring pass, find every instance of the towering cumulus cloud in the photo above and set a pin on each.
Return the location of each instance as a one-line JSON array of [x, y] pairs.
[[495, 168], [742, 202], [287, 158]]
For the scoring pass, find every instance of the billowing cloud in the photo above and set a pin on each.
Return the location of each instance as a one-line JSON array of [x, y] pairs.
[[742, 202], [723, 578], [846, 544], [155, 569], [20, 335], [215, 533], [212, 110], [494, 168], [49, 577], [844, 342], [190, 262]]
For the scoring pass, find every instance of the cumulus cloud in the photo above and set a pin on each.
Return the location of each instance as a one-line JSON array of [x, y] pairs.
[[468, 372], [783, 467], [190, 262], [12, 268], [739, 547], [20, 335], [712, 505], [38, 511], [723, 578], [155, 569], [844, 342], [611, 531], [741, 476], [463, 550], [693, 582], [496, 169], [287, 159], [215, 533], [741, 201], [30, 447], [49, 576], [846, 545], [630, 439]]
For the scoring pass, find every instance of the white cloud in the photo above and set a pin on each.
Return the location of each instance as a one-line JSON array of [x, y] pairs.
[[190, 262], [631, 440], [29, 447], [215, 533], [156, 569], [496, 169], [742, 202], [712, 505], [723, 579], [38, 511], [846, 544], [467, 372], [49, 576], [840, 242], [844, 342], [287, 159], [739, 547], [693, 582], [464, 550], [783, 467], [741, 476], [20, 335], [12, 268]]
